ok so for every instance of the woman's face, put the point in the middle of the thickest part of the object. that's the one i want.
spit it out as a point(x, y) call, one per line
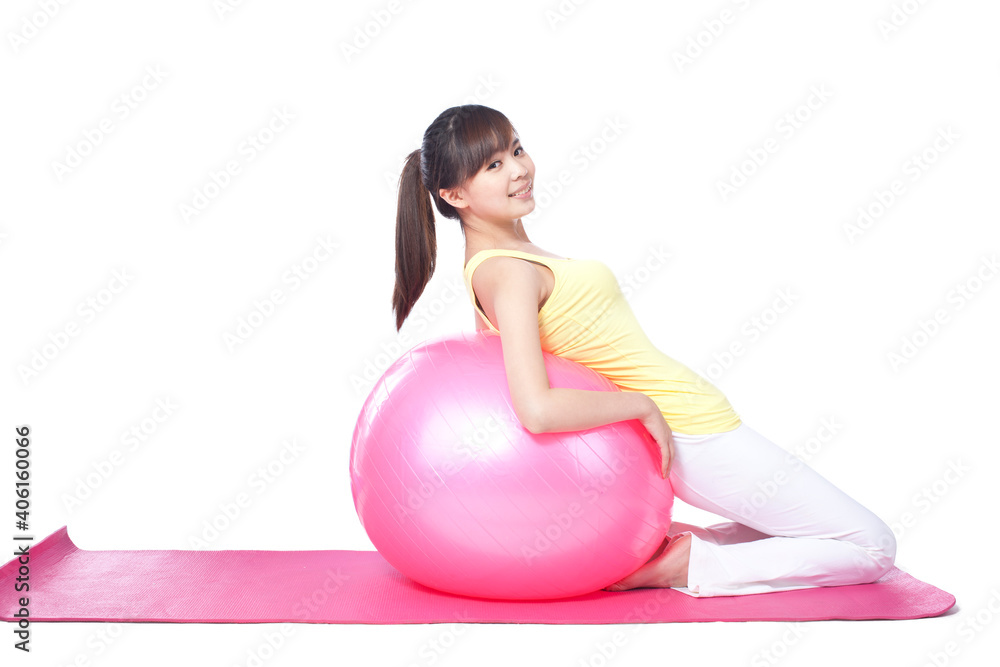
point(487, 196)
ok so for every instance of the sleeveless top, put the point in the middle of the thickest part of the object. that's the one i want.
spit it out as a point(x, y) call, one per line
point(587, 319)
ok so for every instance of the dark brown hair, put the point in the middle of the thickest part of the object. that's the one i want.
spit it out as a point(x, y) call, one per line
point(460, 142)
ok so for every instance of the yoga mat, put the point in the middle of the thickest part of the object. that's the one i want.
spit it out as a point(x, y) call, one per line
point(253, 586)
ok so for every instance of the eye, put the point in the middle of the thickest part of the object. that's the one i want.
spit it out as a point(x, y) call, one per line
point(519, 148)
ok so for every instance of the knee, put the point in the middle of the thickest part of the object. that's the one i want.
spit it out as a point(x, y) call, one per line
point(881, 549)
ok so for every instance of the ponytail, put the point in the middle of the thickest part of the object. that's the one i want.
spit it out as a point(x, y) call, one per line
point(416, 241)
point(459, 142)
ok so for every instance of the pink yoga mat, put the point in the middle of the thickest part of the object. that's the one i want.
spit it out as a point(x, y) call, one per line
point(177, 586)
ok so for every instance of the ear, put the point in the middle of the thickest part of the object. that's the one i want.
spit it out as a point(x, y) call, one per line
point(454, 197)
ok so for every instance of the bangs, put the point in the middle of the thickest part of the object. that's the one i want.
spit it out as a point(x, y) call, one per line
point(482, 135)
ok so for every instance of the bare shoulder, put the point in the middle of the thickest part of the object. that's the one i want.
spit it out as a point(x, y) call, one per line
point(512, 275)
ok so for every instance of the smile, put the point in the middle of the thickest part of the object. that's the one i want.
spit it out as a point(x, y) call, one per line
point(521, 194)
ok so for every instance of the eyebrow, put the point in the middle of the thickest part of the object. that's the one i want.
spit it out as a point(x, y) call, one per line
point(513, 144)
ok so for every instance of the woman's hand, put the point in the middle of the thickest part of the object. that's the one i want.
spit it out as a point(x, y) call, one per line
point(657, 426)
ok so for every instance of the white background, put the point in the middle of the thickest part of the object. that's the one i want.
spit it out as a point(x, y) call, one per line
point(661, 136)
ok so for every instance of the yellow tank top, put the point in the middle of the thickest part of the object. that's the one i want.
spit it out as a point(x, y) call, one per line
point(587, 319)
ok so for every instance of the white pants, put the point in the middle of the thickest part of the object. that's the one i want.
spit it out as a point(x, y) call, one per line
point(791, 527)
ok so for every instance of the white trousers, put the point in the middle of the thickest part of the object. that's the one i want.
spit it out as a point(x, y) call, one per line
point(791, 528)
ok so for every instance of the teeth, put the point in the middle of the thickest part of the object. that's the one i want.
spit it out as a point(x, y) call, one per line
point(521, 192)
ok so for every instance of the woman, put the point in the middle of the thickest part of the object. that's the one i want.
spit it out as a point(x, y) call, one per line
point(790, 528)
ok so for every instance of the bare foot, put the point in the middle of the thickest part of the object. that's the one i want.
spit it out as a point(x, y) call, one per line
point(666, 570)
point(659, 549)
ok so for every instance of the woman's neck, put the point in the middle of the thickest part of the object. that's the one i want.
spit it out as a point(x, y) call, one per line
point(512, 237)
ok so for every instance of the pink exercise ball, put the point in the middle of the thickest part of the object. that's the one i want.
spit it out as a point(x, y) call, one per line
point(458, 496)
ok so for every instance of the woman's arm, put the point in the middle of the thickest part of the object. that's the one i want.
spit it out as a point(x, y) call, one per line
point(509, 290)
point(577, 409)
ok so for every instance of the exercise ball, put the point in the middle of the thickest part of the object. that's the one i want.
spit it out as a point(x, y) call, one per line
point(457, 495)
